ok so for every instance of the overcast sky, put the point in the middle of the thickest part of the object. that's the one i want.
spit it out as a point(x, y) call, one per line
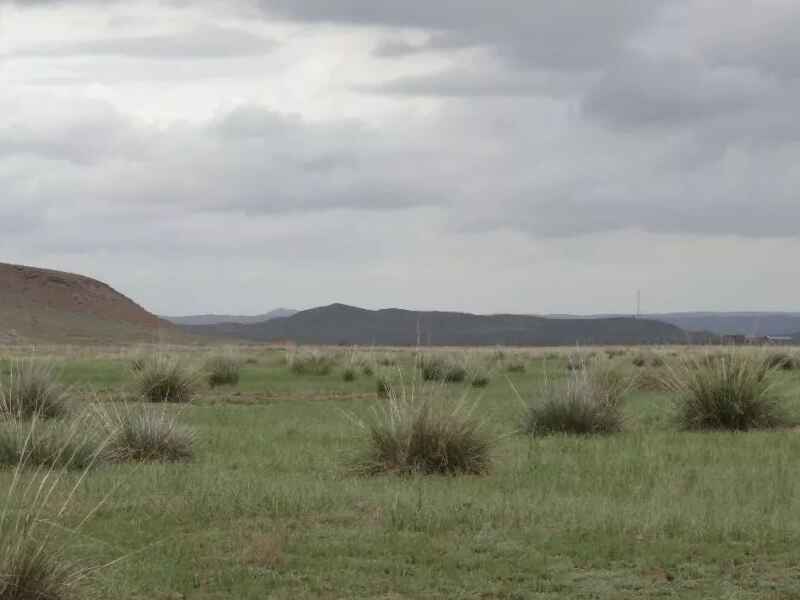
point(483, 155)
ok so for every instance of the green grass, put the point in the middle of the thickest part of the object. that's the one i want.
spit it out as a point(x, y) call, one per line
point(267, 508)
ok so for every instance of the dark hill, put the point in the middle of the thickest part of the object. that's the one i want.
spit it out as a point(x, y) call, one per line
point(744, 323)
point(340, 324)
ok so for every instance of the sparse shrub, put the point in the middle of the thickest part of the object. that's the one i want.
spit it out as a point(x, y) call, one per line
point(733, 391)
point(144, 434)
point(639, 361)
point(783, 361)
point(30, 389)
point(615, 353)
point(166, 379)
point(516, 366)
point(415, 434)
point(552, 356)
point(657, 361)
point(311, 363)
point(138, 364)
point(589, 401)
point(368, 370)
point(222, 370)
point(349, 374)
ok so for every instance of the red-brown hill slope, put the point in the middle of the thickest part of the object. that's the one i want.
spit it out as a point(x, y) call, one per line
point(40, 304)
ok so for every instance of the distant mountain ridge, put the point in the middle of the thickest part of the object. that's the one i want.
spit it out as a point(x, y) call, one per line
point(211, 319)
point(747, 323)
point(342, 324)
point(42, 304)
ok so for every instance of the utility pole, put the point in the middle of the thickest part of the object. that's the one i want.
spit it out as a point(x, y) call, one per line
point(638, 303)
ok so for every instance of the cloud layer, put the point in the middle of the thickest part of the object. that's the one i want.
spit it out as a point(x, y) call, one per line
point(537, 157)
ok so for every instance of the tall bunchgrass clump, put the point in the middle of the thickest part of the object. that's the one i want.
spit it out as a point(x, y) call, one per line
point(447, 369)
point(144, 434)
point(784, 361)
point(30, 388)
point(46, 444)
point(426, 433)
point(37, 556)
point(589, 401)
point(223, 369)
point(479, 370)
point(312, 362)
point(165, 378)
point(733, 391)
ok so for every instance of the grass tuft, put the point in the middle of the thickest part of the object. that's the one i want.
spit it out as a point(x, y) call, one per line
point(441, 368)
point(30, 388)
point(46, 444)
point(37, 557)
point(783, 360)
point(732, 391)
point(588, 401)
point(424, 434)
point(310, 363)
point(165, 378)
point(144, 434)
point(223, 370)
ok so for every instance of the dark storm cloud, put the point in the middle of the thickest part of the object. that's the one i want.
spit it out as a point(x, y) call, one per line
point(644, 92)
point(207, 42)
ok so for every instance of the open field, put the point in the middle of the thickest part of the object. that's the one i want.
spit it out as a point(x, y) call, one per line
point(268, 508)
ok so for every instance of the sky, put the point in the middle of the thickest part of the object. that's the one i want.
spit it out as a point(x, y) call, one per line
point(482, 155)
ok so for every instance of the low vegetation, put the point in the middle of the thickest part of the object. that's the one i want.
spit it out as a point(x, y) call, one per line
point(223, 369)
point(30, 388)
point(783, 360)
point(311, 363)
point(442, 368)
point(144, 434)
point(51, 445)
point(588, 401)
point(424, 433)
point(267, 489)
point(36, 558)
point(731, 391)
point(165, 378)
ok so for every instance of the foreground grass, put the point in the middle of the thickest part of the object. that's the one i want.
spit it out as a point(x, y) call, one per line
point(266, 510)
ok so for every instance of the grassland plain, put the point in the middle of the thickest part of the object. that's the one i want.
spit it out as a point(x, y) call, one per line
point(268, 510)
